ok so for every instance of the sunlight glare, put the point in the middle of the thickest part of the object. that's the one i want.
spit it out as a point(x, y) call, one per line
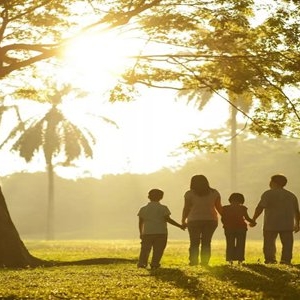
point(99, 59)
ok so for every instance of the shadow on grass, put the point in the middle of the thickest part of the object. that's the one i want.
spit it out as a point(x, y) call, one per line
point(91, 261)
point(267, 282)
point(273, 282)
point(181, 280)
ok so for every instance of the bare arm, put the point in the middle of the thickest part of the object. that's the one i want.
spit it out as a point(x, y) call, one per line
point(257, 213)
point(218, 205)
point(247, 218)
point(141, 223)
point(297, 226)
point(297, 219)
point(173, 222)
point(185, 213)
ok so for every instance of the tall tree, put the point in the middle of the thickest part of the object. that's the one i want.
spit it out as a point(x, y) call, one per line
point(53, 135)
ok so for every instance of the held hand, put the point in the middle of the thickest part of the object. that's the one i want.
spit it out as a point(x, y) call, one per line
point(296, 228)
point(184, 225)
point(252, 224)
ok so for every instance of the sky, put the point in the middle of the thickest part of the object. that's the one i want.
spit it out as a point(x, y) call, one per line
point(150, 129)
point(146, 137)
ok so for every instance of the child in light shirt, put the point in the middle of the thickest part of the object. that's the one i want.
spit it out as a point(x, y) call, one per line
point(153, 219)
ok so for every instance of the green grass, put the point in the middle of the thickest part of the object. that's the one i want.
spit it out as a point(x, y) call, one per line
point(107, 270)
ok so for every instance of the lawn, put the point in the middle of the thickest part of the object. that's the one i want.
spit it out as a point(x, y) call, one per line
point(107, 270)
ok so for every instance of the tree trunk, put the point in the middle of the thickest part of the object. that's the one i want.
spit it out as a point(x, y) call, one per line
point(233, 154)
point(50, 212)
point(13, 253)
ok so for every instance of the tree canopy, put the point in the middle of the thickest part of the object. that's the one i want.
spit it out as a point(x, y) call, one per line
point(217, 45)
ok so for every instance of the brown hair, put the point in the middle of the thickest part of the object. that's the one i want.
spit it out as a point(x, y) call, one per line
point(200, 185)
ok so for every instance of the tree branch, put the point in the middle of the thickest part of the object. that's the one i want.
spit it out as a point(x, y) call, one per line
point(119, 19)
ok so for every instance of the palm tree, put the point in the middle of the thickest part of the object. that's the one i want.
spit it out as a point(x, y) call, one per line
point(53, 135)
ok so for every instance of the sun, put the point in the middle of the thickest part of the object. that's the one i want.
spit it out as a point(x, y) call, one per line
point(96, 61)
point(148, 130)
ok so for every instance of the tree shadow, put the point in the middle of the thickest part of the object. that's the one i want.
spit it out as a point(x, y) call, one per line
point(91, 261)
point(180, 279)
point(271, 281)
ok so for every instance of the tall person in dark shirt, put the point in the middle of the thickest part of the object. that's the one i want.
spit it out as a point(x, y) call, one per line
point(281, 217)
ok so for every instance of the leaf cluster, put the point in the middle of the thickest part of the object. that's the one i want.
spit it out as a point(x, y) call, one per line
point(222, 49)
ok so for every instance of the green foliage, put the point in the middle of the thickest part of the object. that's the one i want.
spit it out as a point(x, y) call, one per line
point(277, 120)
point(107, 270)
point(225, 51)
point(122, 93)
point(212, 45)
point(204, 146)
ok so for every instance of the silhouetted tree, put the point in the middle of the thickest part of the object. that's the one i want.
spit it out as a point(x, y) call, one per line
point(13, 252)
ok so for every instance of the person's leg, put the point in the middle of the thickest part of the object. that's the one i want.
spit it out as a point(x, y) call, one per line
point(269, 247)
point(146, 245)
point(240, 245)
point(287, 241)
point(159, 245)
point(230, 245)
point(208, 229)
point(194, 233)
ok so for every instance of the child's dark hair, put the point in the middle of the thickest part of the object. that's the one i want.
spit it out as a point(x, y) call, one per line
point(155, 194)
point(236, 198)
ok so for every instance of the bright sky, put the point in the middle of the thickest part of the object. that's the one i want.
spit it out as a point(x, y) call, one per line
point(150, 128)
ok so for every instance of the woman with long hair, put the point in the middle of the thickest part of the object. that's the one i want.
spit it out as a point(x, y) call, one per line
point(200, 214)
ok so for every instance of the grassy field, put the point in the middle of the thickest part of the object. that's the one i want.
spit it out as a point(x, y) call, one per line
point(107, 270)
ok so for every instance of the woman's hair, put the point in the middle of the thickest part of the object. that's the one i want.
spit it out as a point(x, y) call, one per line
point(237, 198)
point(200, 185)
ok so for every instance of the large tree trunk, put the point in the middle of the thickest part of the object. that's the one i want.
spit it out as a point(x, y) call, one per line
point(13, 252)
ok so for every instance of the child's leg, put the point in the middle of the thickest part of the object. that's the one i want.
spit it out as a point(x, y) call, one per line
point(230, 245)
point(240, 245)
point(146, 245)
point(159, 245)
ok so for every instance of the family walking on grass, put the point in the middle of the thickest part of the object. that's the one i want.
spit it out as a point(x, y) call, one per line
point(202, 205)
